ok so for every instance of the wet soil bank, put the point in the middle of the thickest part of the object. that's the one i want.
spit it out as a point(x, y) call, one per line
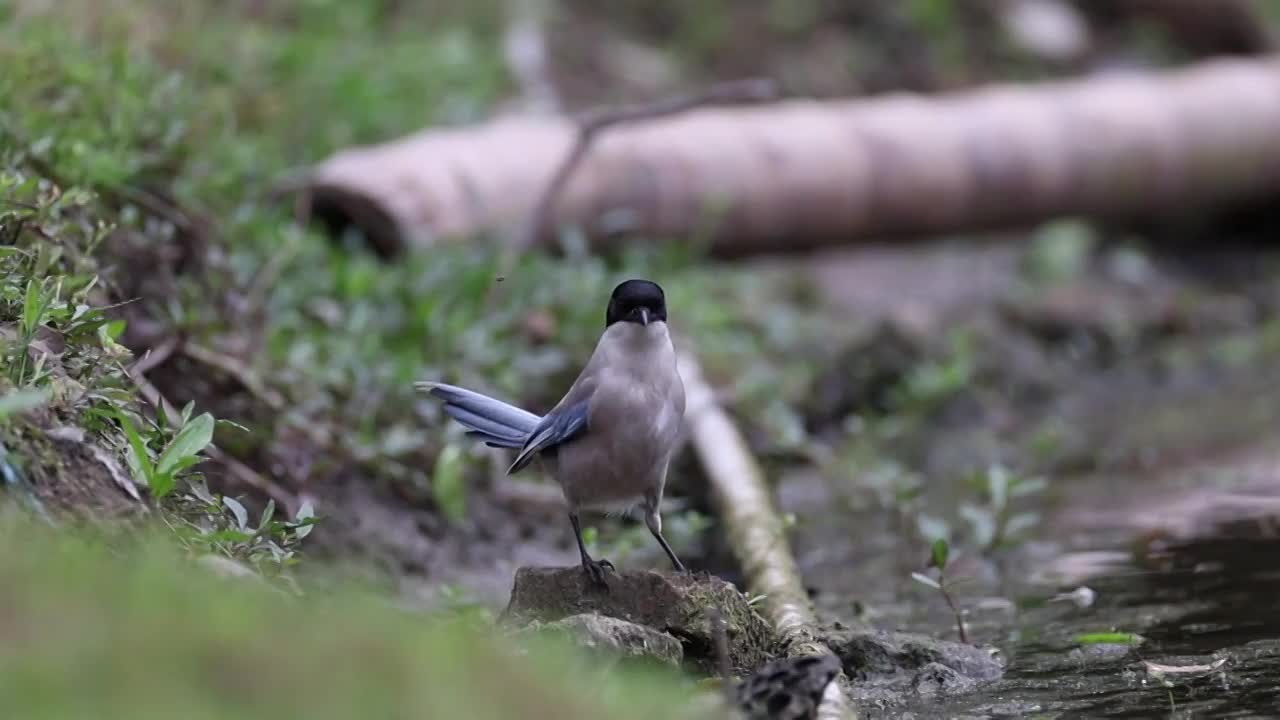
point(1150, 412)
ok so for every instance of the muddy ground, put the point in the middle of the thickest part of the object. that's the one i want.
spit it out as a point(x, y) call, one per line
point(1143, 389)
point(1148, 399)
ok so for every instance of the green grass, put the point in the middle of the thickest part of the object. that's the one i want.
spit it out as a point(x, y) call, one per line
point(107, 627)
point(129, 106)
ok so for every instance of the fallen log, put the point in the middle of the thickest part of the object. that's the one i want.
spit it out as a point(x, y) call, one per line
point(801, 174)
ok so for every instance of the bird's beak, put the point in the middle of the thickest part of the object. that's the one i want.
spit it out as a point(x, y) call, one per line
point(644, 316)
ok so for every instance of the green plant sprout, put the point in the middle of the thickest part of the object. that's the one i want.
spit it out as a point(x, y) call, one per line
point(159, 472)
point(938, 557)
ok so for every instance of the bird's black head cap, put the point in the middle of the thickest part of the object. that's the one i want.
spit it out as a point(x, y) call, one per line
point(638, 301)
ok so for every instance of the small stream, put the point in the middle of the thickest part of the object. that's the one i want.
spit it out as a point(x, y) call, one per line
point(1193, 600)
point(1163, 499)
point(1220, 599)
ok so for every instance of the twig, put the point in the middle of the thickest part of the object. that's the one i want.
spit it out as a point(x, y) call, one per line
point(155, 356)
point(157, 206)
point(235, 368)
point(154, 397)
point(318, 434)
point(955, 610)
point(255, 480)
point(591, 124)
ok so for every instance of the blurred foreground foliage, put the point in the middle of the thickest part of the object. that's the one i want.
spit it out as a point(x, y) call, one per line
point(110, 627)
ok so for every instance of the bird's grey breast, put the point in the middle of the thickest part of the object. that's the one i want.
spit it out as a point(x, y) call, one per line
point(634, 414)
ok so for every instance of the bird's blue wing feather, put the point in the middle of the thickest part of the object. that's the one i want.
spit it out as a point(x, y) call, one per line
point(555, 429)
point(492, 421)
point(494, 441)
point(484, 427)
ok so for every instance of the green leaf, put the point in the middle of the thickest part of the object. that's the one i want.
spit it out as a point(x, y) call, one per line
point(186, 462)
point(306, 514)
point(223, 422)
point(31, 310)
point(21, 401)
point(242, 515)
point(446, 484)
point(1110, 638)
point(162, 484)
point(144, 471)
point(194, 437)
point(926, 580)
point(186, 411)
point(267, 512)
point(939, 553)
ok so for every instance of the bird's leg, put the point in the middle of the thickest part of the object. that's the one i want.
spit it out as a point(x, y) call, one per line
point(594, 568)
point(654, 521)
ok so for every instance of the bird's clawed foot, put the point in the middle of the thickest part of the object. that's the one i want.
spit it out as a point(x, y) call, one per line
point(595, 570)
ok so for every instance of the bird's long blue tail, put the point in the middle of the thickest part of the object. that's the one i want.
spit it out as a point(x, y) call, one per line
point(496, 423)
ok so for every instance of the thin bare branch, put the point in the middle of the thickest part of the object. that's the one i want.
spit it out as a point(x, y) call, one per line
point(155, 356)
point(590, 125)
point(234, 367)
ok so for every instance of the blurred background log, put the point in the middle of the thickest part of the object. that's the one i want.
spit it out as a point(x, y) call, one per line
point(802, 174)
